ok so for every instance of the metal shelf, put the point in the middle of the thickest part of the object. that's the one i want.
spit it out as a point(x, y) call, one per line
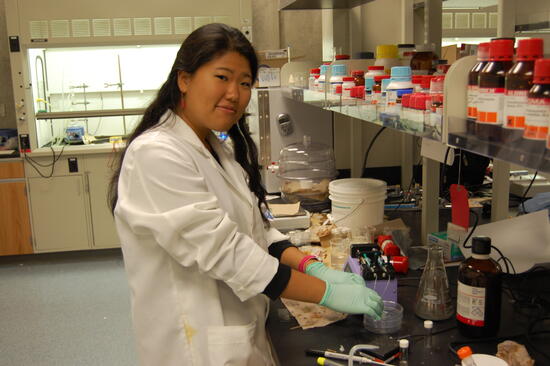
point(320, 4)
point(358, 109)
point(91, 113)
point(514, 153)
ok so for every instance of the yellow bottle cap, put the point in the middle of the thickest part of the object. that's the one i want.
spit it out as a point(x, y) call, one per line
point(387, 51)
point(321, 361)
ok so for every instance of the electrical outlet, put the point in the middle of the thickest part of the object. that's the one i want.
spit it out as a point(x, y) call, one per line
point(73, 165)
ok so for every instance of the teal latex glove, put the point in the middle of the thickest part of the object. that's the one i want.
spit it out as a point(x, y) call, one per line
point(322, 272)
point(352, 299)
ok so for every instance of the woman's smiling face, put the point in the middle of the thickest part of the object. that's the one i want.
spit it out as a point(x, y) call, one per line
point(215, 96)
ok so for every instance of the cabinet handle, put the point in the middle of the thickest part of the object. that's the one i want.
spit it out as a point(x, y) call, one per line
point(87, 182)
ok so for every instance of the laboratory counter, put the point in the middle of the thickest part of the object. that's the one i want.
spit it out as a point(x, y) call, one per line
point(290, 341)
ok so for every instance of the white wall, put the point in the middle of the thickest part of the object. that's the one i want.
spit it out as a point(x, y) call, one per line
point(381, 23)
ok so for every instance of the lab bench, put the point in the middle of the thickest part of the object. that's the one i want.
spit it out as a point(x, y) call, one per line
point(290, 342)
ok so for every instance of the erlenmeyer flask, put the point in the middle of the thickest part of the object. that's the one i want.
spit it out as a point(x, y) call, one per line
point(433, 298)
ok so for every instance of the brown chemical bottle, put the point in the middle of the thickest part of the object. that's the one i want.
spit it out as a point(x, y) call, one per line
point(490, 100)
point(482, 59)
point(479, 292)
point(518, 83)
point(537, 114)
point(358, 77)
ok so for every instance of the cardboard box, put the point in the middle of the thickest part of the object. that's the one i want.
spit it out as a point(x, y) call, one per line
point(451, 252)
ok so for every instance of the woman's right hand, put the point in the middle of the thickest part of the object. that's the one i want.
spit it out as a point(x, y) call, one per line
point(352, 299)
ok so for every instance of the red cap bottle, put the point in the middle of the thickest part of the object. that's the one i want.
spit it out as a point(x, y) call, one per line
point(491, 83)
point(482, 59)
point(537, 115)
point(519, 81)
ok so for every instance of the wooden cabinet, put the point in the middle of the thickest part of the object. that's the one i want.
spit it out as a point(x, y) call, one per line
point(15, 229)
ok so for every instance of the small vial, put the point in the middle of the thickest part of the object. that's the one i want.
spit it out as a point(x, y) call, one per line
point(428, 326)
point(465, 354)
point(403, 352)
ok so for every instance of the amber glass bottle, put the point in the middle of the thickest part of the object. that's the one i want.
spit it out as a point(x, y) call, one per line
point(518, 83)
point(490, 100)
point(537, 115)
point(479, 292)
point(482, 59)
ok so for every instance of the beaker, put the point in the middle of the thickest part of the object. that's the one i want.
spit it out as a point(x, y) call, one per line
point(433, 298)
point(340, 243)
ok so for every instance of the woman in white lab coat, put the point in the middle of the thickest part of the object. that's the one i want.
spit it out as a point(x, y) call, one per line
point(199, 255)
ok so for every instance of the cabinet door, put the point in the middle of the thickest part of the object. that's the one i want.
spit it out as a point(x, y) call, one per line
point(99, 172)
point(58, 208)
point(15, 228)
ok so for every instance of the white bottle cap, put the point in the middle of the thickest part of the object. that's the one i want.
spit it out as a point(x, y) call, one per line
point(403, 343)
point(428, 324)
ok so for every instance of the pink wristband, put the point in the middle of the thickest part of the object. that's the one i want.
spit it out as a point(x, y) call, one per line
point(303, 262)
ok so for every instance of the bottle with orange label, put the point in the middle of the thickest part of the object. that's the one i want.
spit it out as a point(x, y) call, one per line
point(519, 81)
point(537, 114)
point(490, 98)
point(473, 75)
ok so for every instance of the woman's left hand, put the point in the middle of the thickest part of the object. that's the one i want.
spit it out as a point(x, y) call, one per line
point(319, 270)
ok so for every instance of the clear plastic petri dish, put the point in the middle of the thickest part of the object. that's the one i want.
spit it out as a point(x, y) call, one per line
point(392, 316)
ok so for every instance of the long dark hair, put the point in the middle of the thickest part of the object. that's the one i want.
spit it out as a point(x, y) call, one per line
point(201, 46)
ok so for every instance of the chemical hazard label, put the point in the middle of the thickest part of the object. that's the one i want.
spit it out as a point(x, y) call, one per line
point(470, 308)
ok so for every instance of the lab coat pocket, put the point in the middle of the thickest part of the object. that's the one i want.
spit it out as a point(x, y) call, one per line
point(231, 345)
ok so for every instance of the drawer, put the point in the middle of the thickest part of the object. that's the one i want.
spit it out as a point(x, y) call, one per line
point(12, 169)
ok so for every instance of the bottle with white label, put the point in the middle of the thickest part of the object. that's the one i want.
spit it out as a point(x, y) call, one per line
point(337, 78)
point(479, 292)
point(482, 59)
point(518, 82)
point(537, 114)
point(490, 97)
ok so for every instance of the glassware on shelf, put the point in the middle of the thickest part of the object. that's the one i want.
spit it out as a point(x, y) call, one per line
point(433, 298)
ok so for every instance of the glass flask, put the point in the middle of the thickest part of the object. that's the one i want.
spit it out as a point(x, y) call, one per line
point(433, 298)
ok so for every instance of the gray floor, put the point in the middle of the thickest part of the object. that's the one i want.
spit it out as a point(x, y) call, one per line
point(65, 309)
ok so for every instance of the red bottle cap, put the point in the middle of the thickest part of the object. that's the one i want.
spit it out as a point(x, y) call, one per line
point(483, 51)
point(381, 77)
point(436, 98)
point(443, 68)
point(405, 99)
point(412, 100)
point(417, 79)
point(360, 93)
point(501, 50)
point(542, 71)
point(381, 238)
point(420, 102)
point(353, 92)
point(400, 263)
point(529, 49)
point(342, 57)
point(464, 352)
point(374, 68)
point(358, 73)
point(426, 80)
point(348, 78)
point(315, 71)
point(338, 89)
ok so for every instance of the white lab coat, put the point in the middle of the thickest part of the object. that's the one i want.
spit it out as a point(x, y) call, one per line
point(195, 251)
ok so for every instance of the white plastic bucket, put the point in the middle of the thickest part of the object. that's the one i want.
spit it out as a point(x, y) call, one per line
point(357, 202)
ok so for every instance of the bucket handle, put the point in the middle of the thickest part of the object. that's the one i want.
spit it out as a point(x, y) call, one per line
point(351, 213)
